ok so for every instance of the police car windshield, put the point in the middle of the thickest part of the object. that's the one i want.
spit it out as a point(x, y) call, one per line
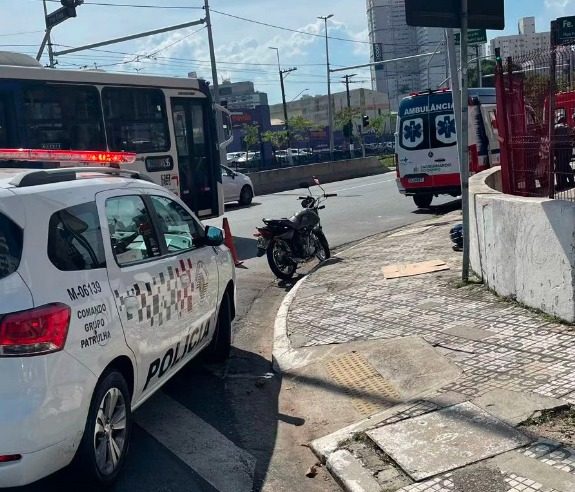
point(10, 246)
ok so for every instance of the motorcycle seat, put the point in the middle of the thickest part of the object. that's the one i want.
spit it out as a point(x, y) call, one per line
point(281, 223)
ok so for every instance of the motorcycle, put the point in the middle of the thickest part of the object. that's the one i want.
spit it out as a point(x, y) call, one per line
point(289, 243)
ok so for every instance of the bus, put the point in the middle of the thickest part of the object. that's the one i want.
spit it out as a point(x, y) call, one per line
point(426, 156)
point(169, 123)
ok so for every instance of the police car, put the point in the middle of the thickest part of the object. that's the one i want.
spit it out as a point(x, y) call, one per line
point(109, 285)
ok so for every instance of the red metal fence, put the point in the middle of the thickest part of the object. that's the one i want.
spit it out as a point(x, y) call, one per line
point(536, 123)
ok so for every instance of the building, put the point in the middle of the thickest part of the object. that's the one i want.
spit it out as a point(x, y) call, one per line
point(526, 41)
point(241, 95)
point(314, 108)
point(391, 38)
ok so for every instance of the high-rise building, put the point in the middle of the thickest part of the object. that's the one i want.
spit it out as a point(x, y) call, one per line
point(519, 44)
point(391, 37)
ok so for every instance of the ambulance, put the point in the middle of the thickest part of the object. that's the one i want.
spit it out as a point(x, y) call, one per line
point(426, 156)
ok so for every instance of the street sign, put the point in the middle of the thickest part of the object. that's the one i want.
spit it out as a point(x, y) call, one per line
point(483, 14)
point(57, 17)
point(564, 30)
point(474, 36)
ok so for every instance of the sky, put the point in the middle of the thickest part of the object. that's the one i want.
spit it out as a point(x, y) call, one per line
point(242, 47)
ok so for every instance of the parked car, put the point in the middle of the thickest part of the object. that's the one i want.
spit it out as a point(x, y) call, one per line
point(237, 187)
point(110, 285)
point(233, 156)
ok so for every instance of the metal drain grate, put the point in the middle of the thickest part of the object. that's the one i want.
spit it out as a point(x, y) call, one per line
point(369, 391)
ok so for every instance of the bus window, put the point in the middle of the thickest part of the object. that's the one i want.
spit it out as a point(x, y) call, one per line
point(63, 117)
point(136, 120)
point(3, 126)
point(197, 180)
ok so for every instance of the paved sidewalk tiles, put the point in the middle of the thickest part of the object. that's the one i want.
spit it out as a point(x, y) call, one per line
point(447, 439)
point(496, 346)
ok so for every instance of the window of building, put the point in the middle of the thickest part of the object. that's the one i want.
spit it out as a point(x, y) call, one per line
point(131, 232)
point(75, 239)
point(63, 117)
point(136, 119)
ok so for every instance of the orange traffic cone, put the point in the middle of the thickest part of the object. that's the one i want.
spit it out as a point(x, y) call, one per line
point(229, 242)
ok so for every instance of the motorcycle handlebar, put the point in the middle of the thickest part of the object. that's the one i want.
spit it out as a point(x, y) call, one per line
point(329, 195)
point(302, 197)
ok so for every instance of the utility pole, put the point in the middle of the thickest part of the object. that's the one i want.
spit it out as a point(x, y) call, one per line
point(479, 71)
point(49, 36)
point(350, 122)
point(465, 138)
point(329, 106)
point(286, 121)
point(215, 83)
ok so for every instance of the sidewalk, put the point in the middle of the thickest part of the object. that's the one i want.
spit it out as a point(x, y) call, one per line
point(420, 383)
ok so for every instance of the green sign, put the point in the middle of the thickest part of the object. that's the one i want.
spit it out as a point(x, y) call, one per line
point(564, 28)
point(474, 36)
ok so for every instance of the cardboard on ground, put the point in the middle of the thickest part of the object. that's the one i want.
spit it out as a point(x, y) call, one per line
point(411, 269)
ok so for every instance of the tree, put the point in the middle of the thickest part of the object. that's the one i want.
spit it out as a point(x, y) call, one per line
point(345, 115)
point(384, 123)
point(300, 127)
point(251, 135)
point(277, 139)
point(487, 68)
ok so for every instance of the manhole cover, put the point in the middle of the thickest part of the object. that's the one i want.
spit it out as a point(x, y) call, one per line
point(445, 440)
point(369, 391)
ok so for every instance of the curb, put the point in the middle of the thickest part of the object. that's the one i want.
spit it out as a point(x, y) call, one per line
point(283, 353)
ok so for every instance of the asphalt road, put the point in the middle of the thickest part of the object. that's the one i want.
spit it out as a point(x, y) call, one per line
point(218, 428)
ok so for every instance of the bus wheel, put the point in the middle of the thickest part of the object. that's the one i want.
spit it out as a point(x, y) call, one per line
point(423, 200)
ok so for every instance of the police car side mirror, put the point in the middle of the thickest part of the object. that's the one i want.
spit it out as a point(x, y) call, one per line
point(213, 236)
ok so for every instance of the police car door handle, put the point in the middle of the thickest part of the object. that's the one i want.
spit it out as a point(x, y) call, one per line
point(439, 160)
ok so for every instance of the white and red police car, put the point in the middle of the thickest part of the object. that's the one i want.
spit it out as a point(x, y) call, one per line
point(108, 286)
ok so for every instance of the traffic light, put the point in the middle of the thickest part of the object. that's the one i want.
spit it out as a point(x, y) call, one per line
point(70, 6)
point(365, 120)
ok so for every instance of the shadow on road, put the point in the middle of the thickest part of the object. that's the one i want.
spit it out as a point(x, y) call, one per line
point(442, 209)
point(236, 206)
point(246, 247)
point(239, 400)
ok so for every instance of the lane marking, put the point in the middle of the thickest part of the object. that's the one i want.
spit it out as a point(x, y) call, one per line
point(199, 445)
point(364, 185)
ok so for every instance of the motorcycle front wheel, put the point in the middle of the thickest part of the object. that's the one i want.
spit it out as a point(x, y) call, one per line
point(322, 252)
point(282, 266)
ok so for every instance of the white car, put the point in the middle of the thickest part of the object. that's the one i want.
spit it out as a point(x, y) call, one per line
point(237, 187)
point(109, 285)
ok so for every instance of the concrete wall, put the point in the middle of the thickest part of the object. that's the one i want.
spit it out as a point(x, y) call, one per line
point(523, 247)
point(289, 178)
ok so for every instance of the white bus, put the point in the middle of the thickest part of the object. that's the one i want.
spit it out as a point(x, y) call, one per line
point(170, 123)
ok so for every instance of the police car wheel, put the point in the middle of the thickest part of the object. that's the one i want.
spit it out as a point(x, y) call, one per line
point(219, 348)
point(103, 449)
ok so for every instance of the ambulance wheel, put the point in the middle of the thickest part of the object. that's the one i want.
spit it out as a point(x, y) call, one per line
point(423, 200)
point(106, 440)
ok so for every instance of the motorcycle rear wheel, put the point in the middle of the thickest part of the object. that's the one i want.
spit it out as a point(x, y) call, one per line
point(280, 263)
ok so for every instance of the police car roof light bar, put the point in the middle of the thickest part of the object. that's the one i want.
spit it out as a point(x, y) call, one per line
point(87, 156)
point(47, 176)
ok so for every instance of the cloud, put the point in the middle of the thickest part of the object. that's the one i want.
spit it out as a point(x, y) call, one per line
point(560, 6)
